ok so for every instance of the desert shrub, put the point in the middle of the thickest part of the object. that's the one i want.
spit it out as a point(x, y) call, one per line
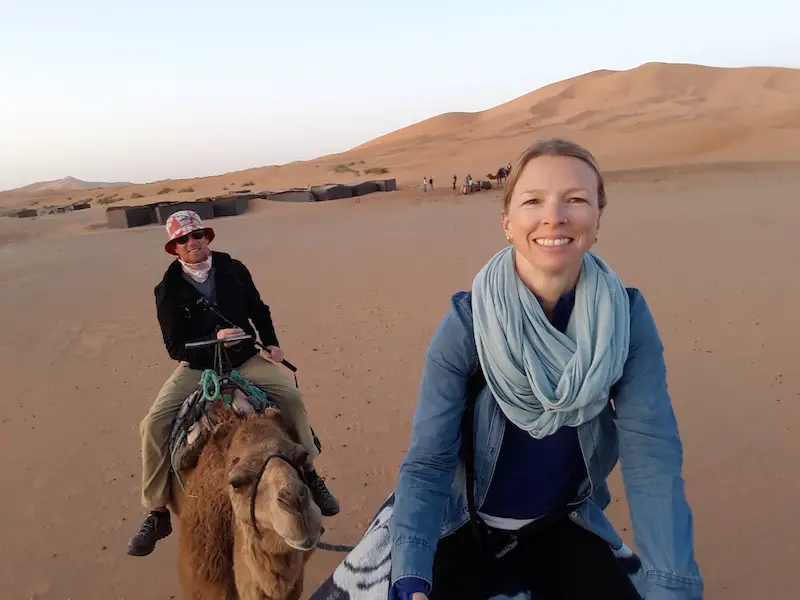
point(248, 183)
point(166, 190)
point(342, 168)
point(185, 190)
point(376, 171)
point(136, 195)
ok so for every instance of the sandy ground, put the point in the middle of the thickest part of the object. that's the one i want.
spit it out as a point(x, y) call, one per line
point(357, 289)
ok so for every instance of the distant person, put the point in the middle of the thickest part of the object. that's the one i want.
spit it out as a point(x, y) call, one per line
point(570, 371)
point(199, 273)
point(455, 181)
point(424, 184)
point(430, 181)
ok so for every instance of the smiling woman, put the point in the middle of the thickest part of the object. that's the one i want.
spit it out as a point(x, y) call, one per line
point(551, 214)
point(545, 340)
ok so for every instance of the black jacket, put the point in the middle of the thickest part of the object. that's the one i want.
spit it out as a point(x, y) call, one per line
point(184, 317)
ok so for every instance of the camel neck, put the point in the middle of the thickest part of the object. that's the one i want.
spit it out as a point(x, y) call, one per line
point(267, 567)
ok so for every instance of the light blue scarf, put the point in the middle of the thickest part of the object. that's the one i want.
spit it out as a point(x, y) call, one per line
point(541, 378)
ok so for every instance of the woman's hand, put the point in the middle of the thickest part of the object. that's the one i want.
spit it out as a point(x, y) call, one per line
point(419, 596)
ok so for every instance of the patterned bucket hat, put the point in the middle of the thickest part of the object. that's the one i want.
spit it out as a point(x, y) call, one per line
point(183, 223)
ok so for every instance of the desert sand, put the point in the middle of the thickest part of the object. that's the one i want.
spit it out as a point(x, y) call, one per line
point(704, 223)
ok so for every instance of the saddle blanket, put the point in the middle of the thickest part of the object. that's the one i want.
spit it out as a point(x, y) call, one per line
point(194, 420)
point(365, 573)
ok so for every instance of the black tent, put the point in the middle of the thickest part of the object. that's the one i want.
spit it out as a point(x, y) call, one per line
point(124, 217)
point(385, 185)
point(204, 209)
point(331, 191)
point(292, 195)
point(364, 188)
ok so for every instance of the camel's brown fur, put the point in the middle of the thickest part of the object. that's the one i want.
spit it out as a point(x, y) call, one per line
point(267, 568)
point(207, 516)
point(270, 564)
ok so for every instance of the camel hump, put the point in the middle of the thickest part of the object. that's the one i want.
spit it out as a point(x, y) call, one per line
point(199, 414)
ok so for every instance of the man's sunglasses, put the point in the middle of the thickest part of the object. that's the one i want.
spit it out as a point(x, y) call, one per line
point(197, 235)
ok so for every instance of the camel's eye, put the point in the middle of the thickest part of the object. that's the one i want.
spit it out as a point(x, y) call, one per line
point(239, 476)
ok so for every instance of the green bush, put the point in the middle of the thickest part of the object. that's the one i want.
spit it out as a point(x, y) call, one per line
point(342, 168)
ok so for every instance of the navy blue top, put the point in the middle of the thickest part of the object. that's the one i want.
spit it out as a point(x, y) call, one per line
point(532, 477)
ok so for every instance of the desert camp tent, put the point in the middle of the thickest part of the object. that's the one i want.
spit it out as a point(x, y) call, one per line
point(229, 206)
point(331, 191)
point(364, 188)
point(385, 185)
point(292, 195)
point(124, 217)
point(204, 209)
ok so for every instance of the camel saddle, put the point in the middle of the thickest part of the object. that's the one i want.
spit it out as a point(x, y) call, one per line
point(195, 420)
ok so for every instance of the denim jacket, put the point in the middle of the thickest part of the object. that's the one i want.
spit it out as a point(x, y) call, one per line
point(638, 428)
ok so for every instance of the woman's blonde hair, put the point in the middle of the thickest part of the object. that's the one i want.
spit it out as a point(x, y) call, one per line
point(554, 147)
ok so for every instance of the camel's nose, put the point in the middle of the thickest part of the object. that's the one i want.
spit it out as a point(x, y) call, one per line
point(292, 500)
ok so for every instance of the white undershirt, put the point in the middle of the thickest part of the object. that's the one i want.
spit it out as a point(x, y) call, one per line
point(505, 523)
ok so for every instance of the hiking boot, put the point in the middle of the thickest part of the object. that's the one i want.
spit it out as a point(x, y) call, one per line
point(157, 525)
point(323, 497)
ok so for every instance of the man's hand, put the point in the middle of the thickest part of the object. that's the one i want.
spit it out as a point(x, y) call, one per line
point(273, 354)
point(226, 333)
point(418, 596)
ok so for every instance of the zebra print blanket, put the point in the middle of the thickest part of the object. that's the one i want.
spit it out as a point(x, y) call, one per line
point(366, 571)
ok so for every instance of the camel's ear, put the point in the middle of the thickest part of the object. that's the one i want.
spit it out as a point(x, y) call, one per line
point(272, 413)
point(285, 422)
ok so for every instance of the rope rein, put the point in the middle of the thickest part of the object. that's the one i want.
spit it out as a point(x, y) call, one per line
point(211, 388)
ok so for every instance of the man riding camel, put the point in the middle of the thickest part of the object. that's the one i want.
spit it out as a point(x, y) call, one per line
point(199, 277)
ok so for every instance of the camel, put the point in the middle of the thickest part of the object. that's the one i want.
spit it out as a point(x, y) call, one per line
point(247, 523)
point(501, 176)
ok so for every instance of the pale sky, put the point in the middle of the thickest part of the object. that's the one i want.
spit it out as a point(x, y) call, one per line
point(140, 91)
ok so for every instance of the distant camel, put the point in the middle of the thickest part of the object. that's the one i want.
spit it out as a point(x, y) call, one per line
point(501, 176)
point(248, 524)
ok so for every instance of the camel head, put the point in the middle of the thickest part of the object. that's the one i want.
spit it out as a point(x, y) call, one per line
point(267, 490)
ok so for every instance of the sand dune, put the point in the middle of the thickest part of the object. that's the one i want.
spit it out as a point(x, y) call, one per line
point(65, 184)
point(658, 114)
point(357, 287)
